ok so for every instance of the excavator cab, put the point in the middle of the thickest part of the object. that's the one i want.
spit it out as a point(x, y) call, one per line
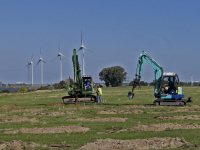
point(170, 83)
point(87, 84)
point(170, 92)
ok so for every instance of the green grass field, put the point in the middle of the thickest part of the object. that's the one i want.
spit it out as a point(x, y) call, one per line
point(113, 99)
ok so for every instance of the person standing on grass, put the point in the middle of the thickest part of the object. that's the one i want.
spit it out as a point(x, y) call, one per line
point(99, 93)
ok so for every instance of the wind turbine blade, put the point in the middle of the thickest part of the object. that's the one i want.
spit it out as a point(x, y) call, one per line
point(44, 61)
point(78, 50)
point(38, 62)
point(32, 57)
point(81, 38)
point(28, 64)
point(59, 46)
point(54, 59)
point(64, 56)
point(89, 50)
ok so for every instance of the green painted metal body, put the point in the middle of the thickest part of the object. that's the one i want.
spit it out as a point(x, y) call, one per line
point(78, 86)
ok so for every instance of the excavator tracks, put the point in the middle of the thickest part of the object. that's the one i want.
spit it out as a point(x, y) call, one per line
point(78, 100)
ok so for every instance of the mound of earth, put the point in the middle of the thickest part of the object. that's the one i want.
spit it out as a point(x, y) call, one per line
point(26, 110)
point(134, 111)
point(83, 108)
point(143, 106)
point(189, 117)
point(151, 143)
point(55, 113)
point(113, 119)
point(162, 127)
point(56, 104)
point(61, 129)
point(10, 106)
point(17, 145)
point(22, 119)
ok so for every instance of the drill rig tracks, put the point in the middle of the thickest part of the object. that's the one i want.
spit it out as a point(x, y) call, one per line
point(73, 100)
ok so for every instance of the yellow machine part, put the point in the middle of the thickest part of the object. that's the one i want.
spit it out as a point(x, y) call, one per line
point(179, 90)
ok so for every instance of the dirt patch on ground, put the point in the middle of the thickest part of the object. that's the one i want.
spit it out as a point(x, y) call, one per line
point(143, 106)
point(134, 111)
point(178, 110)
point(56, 113)
point(61, 145)
point(83, 108)
point(17, 145)
point(10, 106)
point(189, 117)
point(193, 106)
point(113, 119)
point(55, 104)
point(162, 127)
point(22, 119)
point(27, 110)
point(151, 143)
point(62, 129)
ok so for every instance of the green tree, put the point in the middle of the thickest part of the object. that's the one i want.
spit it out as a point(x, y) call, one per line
point(113, 76)
point(142, 83)
point(69, 81)
point(60, 85)
point(23, 89)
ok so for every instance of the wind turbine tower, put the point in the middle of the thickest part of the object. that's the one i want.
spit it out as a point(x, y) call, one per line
point(41, 60)
point(82, 48)
point(60, 55)
point(191, 80)
point(31, 63)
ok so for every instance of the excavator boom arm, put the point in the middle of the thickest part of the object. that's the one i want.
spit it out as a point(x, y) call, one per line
point(158, 70)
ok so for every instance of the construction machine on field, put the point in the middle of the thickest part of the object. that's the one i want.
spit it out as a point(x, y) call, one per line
point(166, 84)
point(81, 90)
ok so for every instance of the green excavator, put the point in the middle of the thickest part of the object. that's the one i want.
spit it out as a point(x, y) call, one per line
point(81, 90)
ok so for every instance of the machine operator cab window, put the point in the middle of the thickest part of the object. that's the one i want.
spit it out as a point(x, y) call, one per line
point(170, 84)
point(87, 83)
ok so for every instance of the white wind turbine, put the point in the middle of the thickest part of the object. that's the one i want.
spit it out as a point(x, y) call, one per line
point(31, 63)
point(82, 48)
point(41, 60)
point(60, 55)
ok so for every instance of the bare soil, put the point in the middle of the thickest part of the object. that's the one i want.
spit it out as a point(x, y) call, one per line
point(61, 129)
point(17, 145)
point(134, 111)
point(61, 145)
point(55, 104)
point(162, 127)
point(143, 106)
point(193, 106)
point(26, 110)
point(137, 144)
point(189, 117)
point(10, 106)
point(113, 119)
point(178, 110)
point(83, 108)
point(22, 119)
point(55, 113)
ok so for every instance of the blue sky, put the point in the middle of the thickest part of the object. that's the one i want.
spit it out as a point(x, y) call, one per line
point(117, 31)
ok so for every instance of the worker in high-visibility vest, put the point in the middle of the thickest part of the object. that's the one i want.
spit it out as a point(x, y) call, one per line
point(99, 93)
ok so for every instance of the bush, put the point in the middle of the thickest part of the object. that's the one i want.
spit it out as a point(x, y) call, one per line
point(44, 87)
point(23, 89)
point(5, 91)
